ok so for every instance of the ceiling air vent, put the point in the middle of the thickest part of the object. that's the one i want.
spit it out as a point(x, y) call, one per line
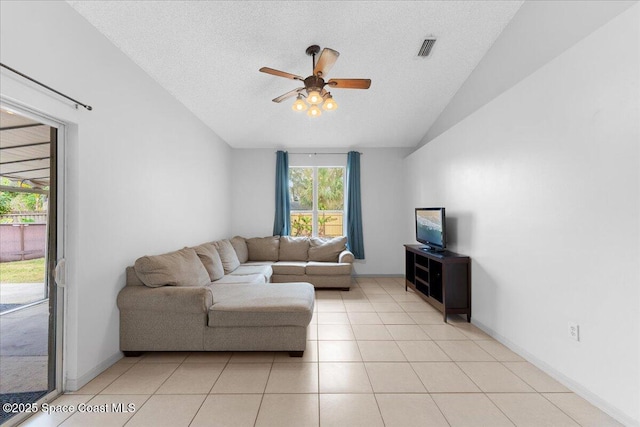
point(427, 46)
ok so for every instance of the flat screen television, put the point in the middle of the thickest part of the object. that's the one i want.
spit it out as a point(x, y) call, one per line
point(431, 228)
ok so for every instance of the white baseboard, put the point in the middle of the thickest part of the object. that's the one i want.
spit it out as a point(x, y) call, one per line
point(74, 384)
point(561, 378)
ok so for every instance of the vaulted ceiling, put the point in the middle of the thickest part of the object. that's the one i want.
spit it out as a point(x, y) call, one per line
point(207, 55)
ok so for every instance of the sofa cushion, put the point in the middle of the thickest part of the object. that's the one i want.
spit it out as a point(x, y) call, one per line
point(210, 259)
point(327, 269)
point(294, 248)
point(288, 268)
point(240, 246)
point(286, 304)
point(244, 279)
point(178, 268)
point(326, 249)
point(258, 263)
point(263, 248)
point(244, 270)
point(132, 278)
point(228, 255)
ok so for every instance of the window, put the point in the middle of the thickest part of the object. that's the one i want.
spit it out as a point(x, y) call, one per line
point(317, 201)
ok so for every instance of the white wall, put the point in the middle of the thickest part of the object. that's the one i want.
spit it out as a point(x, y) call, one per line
point(381, 184)
point(382, 187)
point(543, 186)
point(253, 181)
point(143, 175)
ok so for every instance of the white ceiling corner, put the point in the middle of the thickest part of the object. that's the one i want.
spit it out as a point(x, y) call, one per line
point(207, 55)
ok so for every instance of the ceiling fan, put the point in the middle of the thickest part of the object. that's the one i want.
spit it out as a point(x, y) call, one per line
point(314, 85)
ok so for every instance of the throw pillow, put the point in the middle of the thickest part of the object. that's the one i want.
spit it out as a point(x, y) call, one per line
point(240, 246)
point(178, 268)
point(294, 248)
point(227, 255)
point(211, 260)
point(326, 250)
point(263, 248)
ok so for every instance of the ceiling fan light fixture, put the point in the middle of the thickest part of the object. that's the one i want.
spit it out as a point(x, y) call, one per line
point(329, 103)
point(314, 111)
point(314, 97)
point(299, 104)
point(314, 94)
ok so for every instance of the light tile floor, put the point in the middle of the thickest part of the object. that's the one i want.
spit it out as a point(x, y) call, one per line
point(376, 355)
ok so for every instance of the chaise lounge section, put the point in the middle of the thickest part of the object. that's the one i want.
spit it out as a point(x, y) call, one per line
point(222, 317)
point(204, 299)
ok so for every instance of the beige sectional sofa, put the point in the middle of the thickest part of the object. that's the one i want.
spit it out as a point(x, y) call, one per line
point(230, 295)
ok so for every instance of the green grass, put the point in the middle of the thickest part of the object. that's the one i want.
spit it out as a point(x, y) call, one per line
point(31, 271)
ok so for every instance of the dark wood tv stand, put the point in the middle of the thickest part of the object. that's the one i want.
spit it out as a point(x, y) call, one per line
point(443, 279)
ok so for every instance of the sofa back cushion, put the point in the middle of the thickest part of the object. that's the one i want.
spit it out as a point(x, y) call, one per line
point(132, 278)
point(227, 255)
point(210, 258)
point(178, 268)
point(326, 250)
point(240, 246)
point(264, 248)
point(294, 248)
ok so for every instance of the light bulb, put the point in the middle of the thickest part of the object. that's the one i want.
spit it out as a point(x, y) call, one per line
point(314, 111)
point(329, 104)
point(314, 98)
point(299, 105)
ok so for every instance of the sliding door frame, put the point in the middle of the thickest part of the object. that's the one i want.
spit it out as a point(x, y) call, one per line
point(56, 221)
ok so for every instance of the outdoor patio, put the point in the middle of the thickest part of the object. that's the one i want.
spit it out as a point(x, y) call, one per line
point(23, 342)
point(14, 295)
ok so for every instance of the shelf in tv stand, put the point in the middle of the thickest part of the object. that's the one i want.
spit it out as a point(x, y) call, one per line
point(420, 291)
point(442, 279)
point(424, 282)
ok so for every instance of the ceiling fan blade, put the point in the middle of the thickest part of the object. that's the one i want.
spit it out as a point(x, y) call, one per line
point(288, 95)
point(328, 57)
point(280, 73)
point(350, 83)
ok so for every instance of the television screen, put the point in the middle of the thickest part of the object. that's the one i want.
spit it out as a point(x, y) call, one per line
point(431, 227)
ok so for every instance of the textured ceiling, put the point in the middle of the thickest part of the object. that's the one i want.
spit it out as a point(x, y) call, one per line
point(207, 54)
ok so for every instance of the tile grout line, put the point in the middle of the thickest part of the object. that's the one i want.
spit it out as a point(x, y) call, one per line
point(318, 376)
point(111, 382)
point(499, 408)
point(195, 414)
point(157, 388)
point(369, 378)
point(264, 390)
point(223, 369)
point(439, 408)
point(485, 394)
point(137, 410)
point(560, 409)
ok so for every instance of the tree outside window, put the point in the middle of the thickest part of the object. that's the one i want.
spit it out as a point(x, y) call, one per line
point(317, 201)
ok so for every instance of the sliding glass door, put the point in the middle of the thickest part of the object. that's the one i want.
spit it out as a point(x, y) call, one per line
point(30, 304)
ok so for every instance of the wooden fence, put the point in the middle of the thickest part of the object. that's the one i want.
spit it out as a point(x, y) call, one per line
point(331, 224)
point(19, 242)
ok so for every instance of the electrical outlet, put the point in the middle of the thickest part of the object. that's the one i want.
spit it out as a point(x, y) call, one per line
point(574, 331)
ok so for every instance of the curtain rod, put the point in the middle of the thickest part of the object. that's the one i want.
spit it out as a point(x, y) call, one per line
point(88, 107)
point(320, 154)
